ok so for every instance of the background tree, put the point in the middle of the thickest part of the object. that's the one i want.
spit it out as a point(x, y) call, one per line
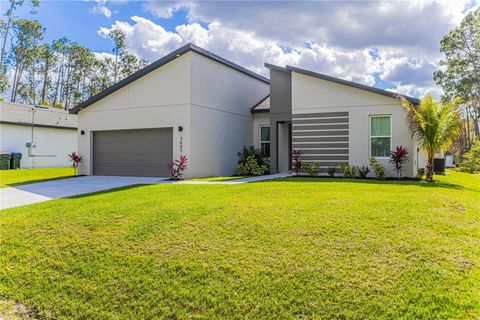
point(435, 125)
point(459, 73)
point(118, 38)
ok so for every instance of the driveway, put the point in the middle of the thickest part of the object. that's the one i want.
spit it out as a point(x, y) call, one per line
point(44, 191)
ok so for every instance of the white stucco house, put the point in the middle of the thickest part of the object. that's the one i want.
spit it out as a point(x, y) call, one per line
point(195, 103)
point(44, 136)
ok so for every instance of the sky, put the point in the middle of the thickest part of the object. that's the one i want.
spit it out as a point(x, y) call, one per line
point(393, 45)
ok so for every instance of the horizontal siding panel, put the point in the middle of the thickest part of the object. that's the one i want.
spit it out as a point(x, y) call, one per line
point(319, 115)
point(319, 139)
point(321, 158)
point(321, 133)
point(324, 151)
point(319, 145)
point(322, 120)
point(326, 164)
point(320, 127)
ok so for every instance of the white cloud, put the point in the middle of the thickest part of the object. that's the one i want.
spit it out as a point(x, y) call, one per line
point(102, 8)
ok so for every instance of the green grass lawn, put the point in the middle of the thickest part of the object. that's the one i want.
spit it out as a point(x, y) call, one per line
point(291, 248)
point(11, 178)
point(218, 179)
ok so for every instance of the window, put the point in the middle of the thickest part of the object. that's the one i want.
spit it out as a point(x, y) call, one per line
point(265, 141)
point(380, 136)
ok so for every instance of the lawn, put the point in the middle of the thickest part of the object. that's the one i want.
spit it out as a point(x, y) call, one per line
point(290, 248)
point(219, 179)
point(11, 178)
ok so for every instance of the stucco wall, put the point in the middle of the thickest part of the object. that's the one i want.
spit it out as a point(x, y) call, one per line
point(259, 120)
point(157, 100)
point(52, 145)
point(310, 95)
point(220, 117)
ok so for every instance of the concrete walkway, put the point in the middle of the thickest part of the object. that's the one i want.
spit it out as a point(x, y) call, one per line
point(55, 189)
point(63, 188)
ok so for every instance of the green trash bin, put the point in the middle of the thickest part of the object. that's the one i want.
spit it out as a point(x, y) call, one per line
point(15, 160)
point(4, 160)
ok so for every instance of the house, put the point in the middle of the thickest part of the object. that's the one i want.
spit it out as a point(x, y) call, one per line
point(195, 103)
point(43, 135)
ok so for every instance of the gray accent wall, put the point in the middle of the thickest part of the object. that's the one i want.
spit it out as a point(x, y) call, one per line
point(322, 137)
point(280, 111)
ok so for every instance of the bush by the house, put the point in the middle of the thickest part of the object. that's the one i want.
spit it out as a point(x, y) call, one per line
point(311, 168)
point(297, 163)
point(75, 159)
point(398, 158)
point(251, 167)
point(378, 169)
point(251, 152)
point(177, 167)
point(331, 171)
point(348, 171)
point(363, 171)
point(471, 160)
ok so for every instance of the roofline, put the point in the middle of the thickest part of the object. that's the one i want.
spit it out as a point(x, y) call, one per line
point(26, 124)
point(252, 109)
point(277, 68)
point(160, 62)
point(352, 84)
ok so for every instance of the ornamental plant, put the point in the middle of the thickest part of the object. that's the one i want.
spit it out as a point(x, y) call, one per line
point(348, 171)
point(311, 168)
point(177, 167)
point(251, 167)
point(297, 163)
point(363, 171)
point(471, 160)
point(378, 169)
point(75, 159)
point(398, 158)
point(331, 171)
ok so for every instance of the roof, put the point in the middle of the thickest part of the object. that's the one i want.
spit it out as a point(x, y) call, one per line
point(262, 106)
point(160, 62)
point(21, 114)
point(342, 82)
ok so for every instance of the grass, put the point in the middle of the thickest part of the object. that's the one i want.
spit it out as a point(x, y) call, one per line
point(217, 179)
point(11, 178)
point(290, 248)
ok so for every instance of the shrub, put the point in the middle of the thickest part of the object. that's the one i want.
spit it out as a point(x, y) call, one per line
point(363, 171)
point(75, 159)
point(471, 160)
point(398, 158)
point(251, 167)
point(58, 105)
point(348, 171)
point(331, 171)
point(297, 163)
point(251, 152)
point(45, 103)
point(177, 167)
point(378, 169)
point(311, 168)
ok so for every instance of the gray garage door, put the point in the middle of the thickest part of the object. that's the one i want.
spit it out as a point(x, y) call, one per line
point(141, 153)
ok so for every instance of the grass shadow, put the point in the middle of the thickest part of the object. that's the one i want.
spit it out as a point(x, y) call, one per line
point(84, 195)
point(16, 184)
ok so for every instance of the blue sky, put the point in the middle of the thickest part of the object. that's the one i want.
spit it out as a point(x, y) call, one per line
point(392, 45)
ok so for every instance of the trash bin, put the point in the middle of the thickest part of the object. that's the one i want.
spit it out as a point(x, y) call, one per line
point(15, 160)
point(4, 160)
point(439, 165)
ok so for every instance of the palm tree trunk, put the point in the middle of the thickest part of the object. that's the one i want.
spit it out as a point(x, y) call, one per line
point(429, 169)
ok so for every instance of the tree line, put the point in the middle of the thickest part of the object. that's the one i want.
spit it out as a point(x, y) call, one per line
point(61, 73)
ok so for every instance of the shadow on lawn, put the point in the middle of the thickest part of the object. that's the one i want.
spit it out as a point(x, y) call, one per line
point(17, 184)
point(424, 184)
point(84, 195)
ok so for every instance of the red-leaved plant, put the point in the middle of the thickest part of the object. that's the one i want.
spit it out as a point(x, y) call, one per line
point(398, 158)
point(297, 163)
point(75, 159)
point(177, 167)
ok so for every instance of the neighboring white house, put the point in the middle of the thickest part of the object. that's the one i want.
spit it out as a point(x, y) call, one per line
point(44, 136)
point(195, 103)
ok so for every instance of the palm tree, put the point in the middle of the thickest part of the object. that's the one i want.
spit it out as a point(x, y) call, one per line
point(434, 125)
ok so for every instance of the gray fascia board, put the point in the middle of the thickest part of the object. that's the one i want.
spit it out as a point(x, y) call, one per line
point(252, 109)
point(160, 62)
point(26, 124)
point(277, 68)
point(352, 84)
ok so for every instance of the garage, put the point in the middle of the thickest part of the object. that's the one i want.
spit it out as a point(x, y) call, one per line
point(138, 152)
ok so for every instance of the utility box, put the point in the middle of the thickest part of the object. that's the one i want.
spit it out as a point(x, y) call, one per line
point(4, 160)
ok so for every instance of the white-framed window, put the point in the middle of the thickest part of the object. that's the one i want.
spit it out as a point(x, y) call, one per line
point(265, 140)
point(380, 136)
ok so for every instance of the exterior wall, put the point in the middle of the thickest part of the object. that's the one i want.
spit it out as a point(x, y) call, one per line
point(52, 145)
point(157, 100)
point(312, 95)
point(280, 111)
point(220, 116)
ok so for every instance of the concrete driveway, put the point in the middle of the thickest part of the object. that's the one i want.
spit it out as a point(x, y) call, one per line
point(44, 191)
